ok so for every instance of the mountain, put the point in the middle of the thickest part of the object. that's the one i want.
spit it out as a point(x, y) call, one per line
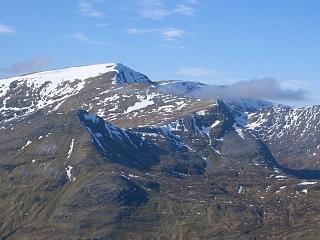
point(103, 152)
point(27, 94)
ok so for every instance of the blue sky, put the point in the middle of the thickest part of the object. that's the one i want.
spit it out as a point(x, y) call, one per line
point(213, 41)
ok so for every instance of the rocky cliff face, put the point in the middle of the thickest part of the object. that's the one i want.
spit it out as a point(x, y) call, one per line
point(102, 152)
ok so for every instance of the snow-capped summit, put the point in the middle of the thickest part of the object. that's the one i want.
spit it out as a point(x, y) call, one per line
point(55, 77)
point(25, 94)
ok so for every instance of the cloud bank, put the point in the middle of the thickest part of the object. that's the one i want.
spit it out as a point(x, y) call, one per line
point(266, 88)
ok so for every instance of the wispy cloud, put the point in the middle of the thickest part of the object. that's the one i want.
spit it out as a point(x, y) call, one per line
point(86, 8)
point(5, 29)
point(171, 34)
point(23, 67)
point(157, 9)
point(103, 25)
point(184, 10)
point(196, 72)
point(167, 34)
point(153, 9)
point(84, 38)
point(138, 31)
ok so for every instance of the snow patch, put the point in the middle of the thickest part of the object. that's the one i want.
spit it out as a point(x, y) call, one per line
point(70, 148)
point(69, 175)
point(238, 130)
point(143, 103)
point(283, 187)
point(27, 144)
point(307, 183)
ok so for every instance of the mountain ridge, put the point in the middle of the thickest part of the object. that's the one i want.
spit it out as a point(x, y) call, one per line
point(117, 161)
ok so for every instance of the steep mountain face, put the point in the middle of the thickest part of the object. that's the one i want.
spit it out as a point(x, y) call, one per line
point(102, 152)
point(293, 135)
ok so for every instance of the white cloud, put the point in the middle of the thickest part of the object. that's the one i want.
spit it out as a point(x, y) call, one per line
point(84, 38)
point(171, 34)
point(32, 65)
point(157, 9)
point(196, 72)
point(5, 29)
point(86, 8)
point(167, 34)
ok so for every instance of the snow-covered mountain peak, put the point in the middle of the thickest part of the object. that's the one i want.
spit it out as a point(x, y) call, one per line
point(55, 77)
point(26, 94)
